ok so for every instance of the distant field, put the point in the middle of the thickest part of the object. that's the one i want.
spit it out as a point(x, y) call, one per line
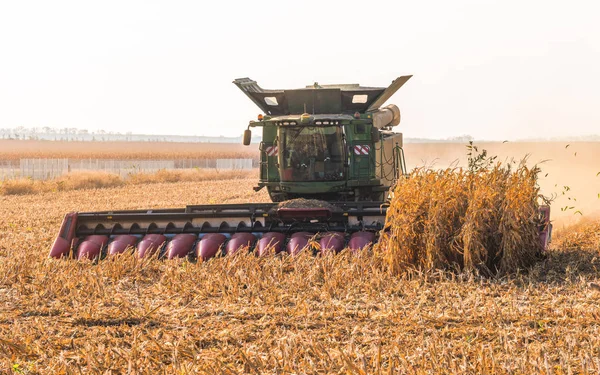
point(100, 180)
point(12, 150)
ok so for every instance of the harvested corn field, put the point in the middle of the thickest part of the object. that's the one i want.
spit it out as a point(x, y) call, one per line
point(242, 314)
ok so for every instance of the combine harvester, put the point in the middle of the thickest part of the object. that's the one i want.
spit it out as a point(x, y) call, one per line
point(328, 158)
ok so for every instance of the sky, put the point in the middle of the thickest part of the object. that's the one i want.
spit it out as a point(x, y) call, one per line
point(495, 70)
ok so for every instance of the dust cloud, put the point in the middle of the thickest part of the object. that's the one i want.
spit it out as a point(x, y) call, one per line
point(569, 170)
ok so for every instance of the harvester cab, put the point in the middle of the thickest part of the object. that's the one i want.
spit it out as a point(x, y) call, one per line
point(328, 142)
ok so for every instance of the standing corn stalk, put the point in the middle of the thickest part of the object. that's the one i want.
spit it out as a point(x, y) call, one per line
point(483, 219)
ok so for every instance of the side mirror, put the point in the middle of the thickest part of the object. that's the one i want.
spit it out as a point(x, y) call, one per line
point(247, 137)
point(374, 134)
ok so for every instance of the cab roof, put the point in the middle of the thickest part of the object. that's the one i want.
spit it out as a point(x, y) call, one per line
point(319, 99)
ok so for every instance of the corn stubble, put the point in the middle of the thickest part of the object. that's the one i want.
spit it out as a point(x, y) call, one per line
point(483, 220)
point(344, 314)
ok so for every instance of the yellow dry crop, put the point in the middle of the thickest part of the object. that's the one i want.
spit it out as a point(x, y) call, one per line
point(485, 220)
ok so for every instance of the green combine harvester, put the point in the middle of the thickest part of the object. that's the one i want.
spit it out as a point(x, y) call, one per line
point(328, 158)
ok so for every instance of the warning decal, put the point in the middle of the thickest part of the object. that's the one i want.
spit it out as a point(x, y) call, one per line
point(362, 149)
point(271, 150)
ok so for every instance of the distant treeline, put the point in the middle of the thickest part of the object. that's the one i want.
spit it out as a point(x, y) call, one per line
point(74, 134)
